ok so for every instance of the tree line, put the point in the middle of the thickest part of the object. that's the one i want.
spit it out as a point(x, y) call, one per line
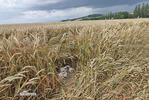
point(141, 11)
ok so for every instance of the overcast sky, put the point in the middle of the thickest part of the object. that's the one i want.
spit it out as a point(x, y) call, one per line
point(30, 11)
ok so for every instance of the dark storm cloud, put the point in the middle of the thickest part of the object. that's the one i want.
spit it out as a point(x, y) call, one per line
point(87, 3)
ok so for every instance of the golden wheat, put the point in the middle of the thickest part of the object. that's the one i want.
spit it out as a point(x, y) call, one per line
point(110, 58)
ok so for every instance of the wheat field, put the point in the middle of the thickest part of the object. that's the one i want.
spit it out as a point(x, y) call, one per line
point(110, 58)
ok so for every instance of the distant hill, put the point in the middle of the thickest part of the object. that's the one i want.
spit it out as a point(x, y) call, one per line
point(89, 17)
point(118, 15)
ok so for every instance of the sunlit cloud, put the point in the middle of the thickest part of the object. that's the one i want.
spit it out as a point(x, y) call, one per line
point(57, 14)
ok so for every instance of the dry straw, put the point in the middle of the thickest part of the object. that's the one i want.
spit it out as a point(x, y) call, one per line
point(110, 59)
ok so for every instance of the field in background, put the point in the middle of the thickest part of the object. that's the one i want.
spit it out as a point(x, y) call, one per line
point(110, 58)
